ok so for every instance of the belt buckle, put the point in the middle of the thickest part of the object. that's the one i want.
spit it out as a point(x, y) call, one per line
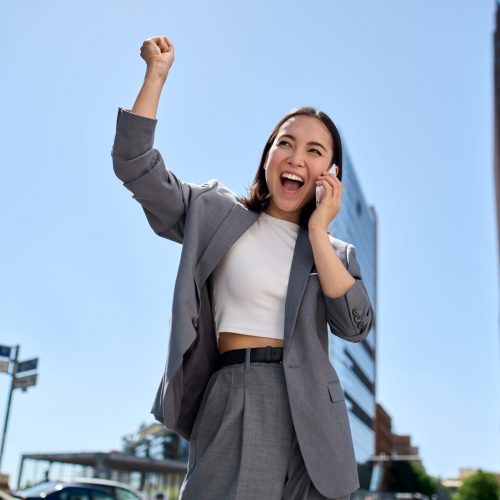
point(268, 353)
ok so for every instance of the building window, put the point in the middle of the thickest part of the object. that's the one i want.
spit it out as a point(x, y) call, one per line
point(358, 207)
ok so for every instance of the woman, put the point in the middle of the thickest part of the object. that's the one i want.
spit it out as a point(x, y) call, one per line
point(248, 379)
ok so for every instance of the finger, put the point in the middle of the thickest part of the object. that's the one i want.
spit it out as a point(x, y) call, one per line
point(332, 170)
point(151, 43)
point(334, 188)
point(336, 181)
point(332, 175)
point(330, 179)
point(322, 177)
point(328, 175)
point(328, 171)
point(338, 193)
point(167, 43)
point(339, 183)
point(327, 187)
point(169, 47)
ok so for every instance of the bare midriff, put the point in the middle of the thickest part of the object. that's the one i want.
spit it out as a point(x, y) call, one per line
point(229, 341)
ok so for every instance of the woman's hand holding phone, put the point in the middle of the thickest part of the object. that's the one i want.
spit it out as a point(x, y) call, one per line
point(328, 198)
point(320, 189)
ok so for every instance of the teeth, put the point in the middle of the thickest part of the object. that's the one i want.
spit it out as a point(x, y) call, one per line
point(292, 177)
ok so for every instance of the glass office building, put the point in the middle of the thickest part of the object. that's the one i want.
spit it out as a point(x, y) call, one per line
point(356, 223)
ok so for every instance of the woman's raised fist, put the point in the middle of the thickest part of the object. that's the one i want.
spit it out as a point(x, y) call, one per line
point(158, 53)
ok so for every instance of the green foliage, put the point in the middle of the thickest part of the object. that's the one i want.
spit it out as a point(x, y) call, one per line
point(479, 486)
point(409, 477)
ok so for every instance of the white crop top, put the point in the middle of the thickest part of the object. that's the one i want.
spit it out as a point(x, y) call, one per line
point(251, 281)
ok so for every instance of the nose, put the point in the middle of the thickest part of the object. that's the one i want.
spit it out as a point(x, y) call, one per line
point(296, 159)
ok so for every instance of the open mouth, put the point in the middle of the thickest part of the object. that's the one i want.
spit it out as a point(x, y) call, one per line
point(291, 182)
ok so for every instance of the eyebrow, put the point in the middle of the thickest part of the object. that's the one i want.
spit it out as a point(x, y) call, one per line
point(311, 143)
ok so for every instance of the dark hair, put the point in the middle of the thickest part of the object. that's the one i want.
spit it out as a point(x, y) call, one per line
point(258, 197)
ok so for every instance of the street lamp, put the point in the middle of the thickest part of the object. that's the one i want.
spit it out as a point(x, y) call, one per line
point(17, 382)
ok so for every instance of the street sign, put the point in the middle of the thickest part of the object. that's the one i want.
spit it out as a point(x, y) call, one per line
point(23, 382)
point(5, 351)
point(24, 366)
point(4, 366)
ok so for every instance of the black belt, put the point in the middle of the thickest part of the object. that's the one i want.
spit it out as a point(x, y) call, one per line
point(266, 354)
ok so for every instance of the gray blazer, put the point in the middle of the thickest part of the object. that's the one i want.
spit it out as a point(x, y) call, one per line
point(207, 219)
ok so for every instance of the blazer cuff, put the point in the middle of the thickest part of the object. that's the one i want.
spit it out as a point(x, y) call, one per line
point(355, 308)
point(351, 315)
point(134, 134)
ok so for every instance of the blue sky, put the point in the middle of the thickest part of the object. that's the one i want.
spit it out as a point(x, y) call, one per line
point(86, 285)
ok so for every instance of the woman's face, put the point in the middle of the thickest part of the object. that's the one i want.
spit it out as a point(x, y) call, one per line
point(302, 150)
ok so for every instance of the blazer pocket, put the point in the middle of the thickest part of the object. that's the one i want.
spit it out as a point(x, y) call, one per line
point(335, 390)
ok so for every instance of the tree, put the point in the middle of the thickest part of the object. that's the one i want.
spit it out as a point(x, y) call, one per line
point(479, 486)
point(409, 477)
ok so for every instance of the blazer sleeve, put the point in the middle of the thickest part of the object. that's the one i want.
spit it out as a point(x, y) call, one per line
point(164, 198)
point(351, 315)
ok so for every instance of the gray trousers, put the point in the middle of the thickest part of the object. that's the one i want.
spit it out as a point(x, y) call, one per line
point(243, 444)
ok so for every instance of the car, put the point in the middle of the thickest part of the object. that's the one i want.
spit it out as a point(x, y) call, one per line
point(6, 496)
point(79, 489)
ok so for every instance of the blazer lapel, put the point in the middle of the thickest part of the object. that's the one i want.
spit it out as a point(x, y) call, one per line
point(232, 227)
point(302, 262)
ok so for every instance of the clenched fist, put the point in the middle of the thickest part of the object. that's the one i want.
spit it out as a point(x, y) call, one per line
point(158, 53)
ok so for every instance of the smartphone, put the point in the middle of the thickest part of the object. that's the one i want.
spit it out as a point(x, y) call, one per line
point(320, 189)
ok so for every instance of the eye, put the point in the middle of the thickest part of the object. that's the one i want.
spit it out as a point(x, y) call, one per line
point(316, 151)
point(283, 142)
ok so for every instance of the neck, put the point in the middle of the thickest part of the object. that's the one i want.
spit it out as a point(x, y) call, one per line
point(280, 214)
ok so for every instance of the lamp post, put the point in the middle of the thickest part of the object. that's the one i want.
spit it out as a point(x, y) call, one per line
point(16, 382)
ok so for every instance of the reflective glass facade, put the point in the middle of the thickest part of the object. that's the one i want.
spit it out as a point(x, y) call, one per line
point(355, 362)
